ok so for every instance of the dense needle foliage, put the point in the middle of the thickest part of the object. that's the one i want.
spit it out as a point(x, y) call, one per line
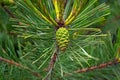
point(33, 48)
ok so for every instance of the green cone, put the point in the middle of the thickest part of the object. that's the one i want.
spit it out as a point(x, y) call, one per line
point(62, 38)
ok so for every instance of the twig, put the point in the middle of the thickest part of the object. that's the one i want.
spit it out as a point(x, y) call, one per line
point(19, 65)
point(52, 63)
point(9, 12)
point(114, 62)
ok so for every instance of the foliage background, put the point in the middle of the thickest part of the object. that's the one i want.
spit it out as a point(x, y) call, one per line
point(21, 50)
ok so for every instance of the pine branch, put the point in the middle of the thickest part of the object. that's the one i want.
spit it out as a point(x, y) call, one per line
point(52, 62)
point(110, 63)
point(19, 65)
point(9, 12)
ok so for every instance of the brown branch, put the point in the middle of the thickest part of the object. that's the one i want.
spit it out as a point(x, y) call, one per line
point(52, 62)
point(111, 63)
point(9, 12)
point(19, 65)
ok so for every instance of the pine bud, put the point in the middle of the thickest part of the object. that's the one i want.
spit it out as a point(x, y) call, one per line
point(62, 38)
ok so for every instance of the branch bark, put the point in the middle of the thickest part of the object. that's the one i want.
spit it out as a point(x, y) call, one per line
point(19, 65)
point(52, 63)
point(9, 12)
point(111, 63)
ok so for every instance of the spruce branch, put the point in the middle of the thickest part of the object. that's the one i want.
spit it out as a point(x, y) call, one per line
point(19, 65)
